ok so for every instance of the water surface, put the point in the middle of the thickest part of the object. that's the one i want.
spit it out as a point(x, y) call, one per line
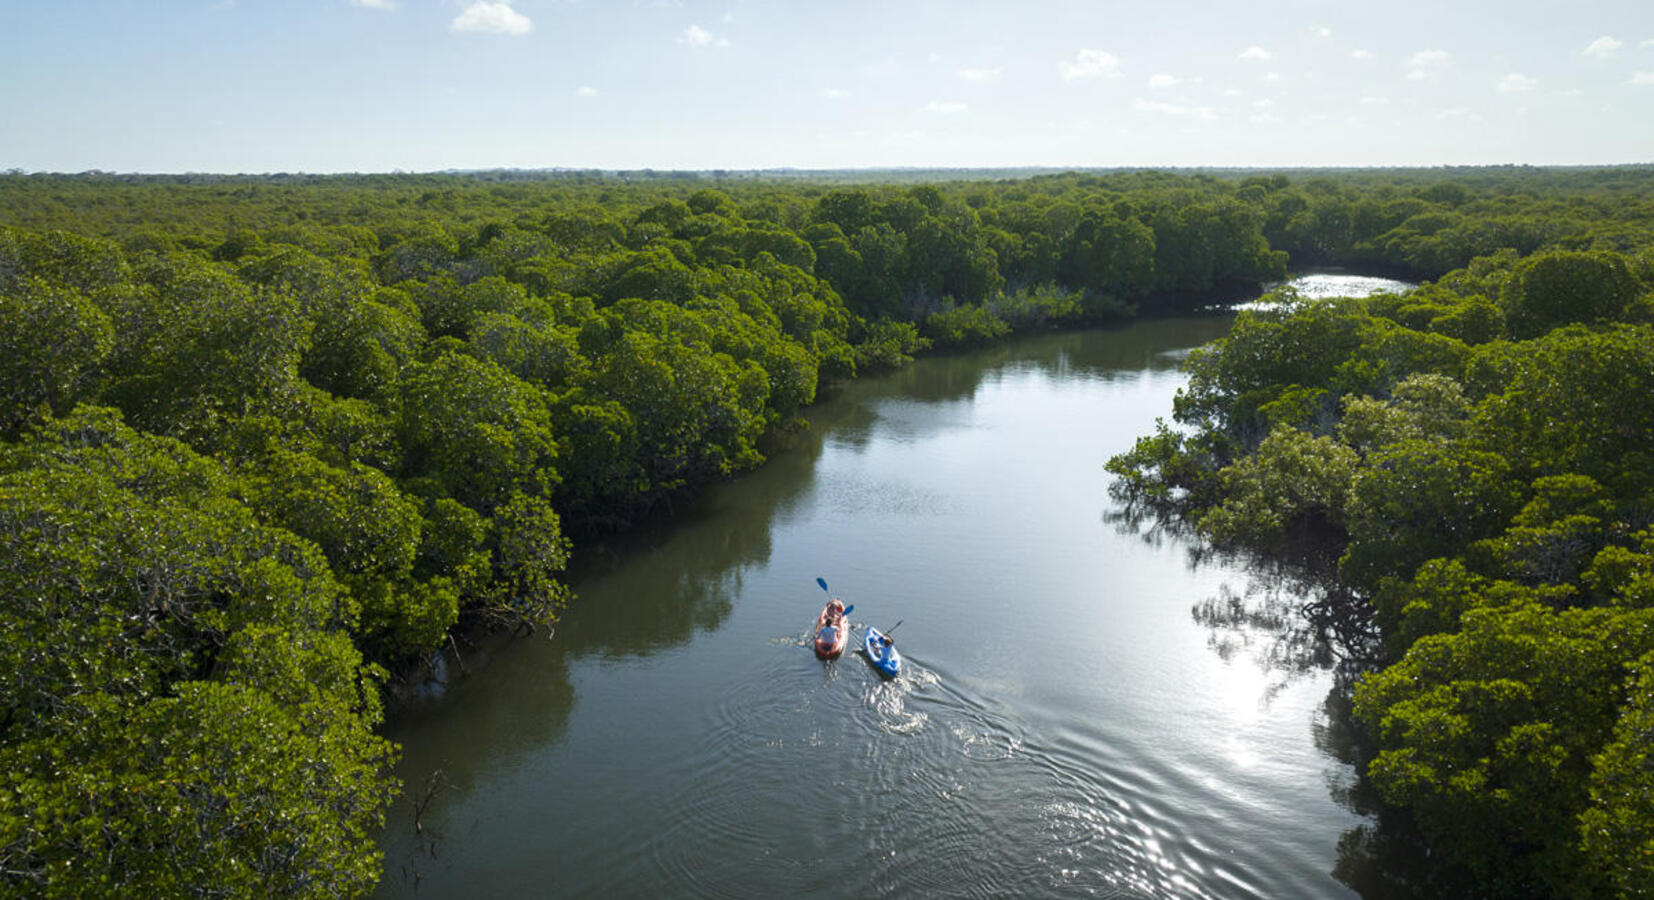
point(1064, 726)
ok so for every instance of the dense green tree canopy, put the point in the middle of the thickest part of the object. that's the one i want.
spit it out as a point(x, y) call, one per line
point(260, 436)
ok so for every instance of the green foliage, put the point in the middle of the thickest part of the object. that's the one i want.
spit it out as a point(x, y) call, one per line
point(1426, 407)
point(476, 430)
point(888, 344)
point(530, 552)
point(205, 725)
point(424, 250)
point(1491, 498)
point(52, 347)
point(1046, 306)
point(1110, 255)
point(1167, 472)
point(964, 325)
point(1267, 353)
point(360, 351)
point(1623, 575)
point(217, 789)
point(1488, 735)
point(197, 344)
point(1552, 289)
point(1418, 500)
point(698, 414)
point(1294, 480)
point(1556, 535)
point(357, 516)
point(540, 352)
point(1578, 401)
point(1617, 830)
point(84, 264)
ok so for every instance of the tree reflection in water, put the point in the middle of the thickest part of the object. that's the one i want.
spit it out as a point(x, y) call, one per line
point(1293, 617)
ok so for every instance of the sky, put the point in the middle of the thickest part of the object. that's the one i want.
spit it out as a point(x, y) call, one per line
point(426, 85)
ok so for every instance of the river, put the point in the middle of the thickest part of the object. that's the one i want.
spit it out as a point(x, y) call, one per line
point(1065, 725)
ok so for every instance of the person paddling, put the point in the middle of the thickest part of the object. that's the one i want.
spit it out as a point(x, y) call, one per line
point(830, 629)
point(832, 619)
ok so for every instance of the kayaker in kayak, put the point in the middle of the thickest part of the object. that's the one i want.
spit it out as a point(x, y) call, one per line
point(834, 620)
point(881, 652)
point(830, 637)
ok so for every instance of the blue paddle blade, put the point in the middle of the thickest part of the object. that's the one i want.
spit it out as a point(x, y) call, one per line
point(847, 609)
point(823, 583)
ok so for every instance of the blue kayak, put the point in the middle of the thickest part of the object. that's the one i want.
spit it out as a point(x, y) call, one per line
point(882, 653)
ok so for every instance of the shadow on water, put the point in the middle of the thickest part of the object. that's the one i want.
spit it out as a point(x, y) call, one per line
point(622, 610)
point(1294, 617)
point(954, 377)
point(1282, 617)
point(1385, 857)
point(439, 763)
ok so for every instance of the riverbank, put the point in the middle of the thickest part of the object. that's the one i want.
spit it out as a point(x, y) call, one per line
point(1097, 740)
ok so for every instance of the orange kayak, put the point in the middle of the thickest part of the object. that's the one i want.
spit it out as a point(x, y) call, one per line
point(830, 639)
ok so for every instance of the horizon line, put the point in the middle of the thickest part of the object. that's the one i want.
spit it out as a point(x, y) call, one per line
point(18, 172)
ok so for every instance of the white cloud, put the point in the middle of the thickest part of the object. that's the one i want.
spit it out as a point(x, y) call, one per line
point(1264, 119)
point(1570, 92)
point(1362, 55)
point(1647, 43)
point(835, 94)
point(1516, 83)
point(1457, 113)
point(1603, 47)
point(1426, 63)
point(696, 36)
point(1272, 76)
point(1092, 64)
point(386, 5)
point(937, 106)
point(1255, 53)
point(1162, 80)
point(491, 18)
point(1375, 101)
point(1264, 103)
point(1233, 92)
point(1642, 79)
point(585, 91)
point(1323, 32)
point(1174, 110)
point(979, 75)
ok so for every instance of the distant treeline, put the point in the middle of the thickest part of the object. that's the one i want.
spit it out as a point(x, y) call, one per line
point(1479, 453)
point(262, 439)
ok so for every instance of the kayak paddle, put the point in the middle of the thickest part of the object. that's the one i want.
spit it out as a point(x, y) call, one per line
point(823, 582)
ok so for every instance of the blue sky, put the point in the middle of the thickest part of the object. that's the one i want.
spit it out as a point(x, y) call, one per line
point(420, 85)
